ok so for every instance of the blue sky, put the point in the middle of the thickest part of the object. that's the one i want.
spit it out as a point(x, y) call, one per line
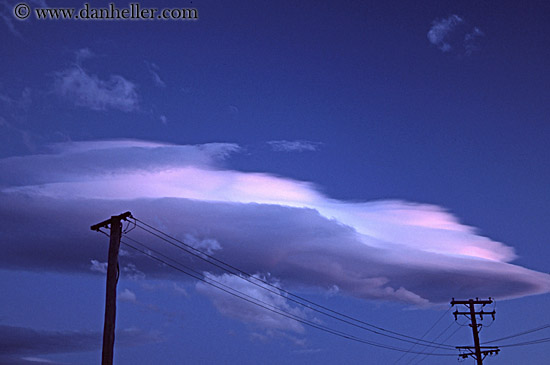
point(377, 158)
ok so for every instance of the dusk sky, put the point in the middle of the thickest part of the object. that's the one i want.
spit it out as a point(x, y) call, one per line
point(374, 158)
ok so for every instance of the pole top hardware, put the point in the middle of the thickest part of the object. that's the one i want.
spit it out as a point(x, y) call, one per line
point(105, 223)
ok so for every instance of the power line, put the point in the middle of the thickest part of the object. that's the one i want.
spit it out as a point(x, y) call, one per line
point(520, 334)
point(256, 302)
point(424, 335)
point(533, 342)
point(446, 339)
point(246, 276)
point(435, 339)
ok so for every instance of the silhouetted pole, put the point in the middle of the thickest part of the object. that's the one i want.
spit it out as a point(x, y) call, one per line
point(112, 279)
point(477, 354)
point(475, 332)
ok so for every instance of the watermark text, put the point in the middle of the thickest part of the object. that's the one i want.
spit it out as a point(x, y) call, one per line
point(134, 11)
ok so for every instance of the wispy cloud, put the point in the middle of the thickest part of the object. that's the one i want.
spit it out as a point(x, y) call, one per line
point(454, 34)
point(82, 55)
point(441, 30)
point(27, 341)
point(127, 296)
point(293, 146)
point(14, 110)
point(387, 250)
point(153, 71)
point(21, 343)
point(6, 13)
point(87, 90)
point(234, 307)
point(100, 267)
point(471, 39)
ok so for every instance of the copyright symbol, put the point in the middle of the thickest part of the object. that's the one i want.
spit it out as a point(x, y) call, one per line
point(22, 11)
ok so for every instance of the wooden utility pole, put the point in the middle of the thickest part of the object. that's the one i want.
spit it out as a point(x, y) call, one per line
point(112, 278)
point(480, 352)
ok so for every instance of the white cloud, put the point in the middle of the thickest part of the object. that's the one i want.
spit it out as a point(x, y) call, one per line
point(127, 296)
point(234, 307)
point(132, 272)
point(440, 31)
point(37, 359)
point(470, 40)
point(153, 71)
point(180, 290)
point(7, 16)
point(454, 34)
point(207, 245)
point(100, 267)
point(83, 54)
point(293, 146)
point(387, 250)
point(86, 90)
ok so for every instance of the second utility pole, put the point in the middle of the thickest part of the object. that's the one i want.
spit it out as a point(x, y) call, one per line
point(112, 279)
point(477, 355)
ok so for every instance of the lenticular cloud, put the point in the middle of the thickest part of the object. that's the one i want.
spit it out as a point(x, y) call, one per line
point(388, 250)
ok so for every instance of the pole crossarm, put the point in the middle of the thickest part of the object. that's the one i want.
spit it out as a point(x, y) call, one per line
point(483, 353)
point(106, 222)
point(467, 302)
point(480, 314)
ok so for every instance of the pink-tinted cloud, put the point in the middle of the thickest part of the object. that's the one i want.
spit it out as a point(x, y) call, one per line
point(388, 250)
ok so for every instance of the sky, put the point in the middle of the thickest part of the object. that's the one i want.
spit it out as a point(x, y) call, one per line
point(374, 158)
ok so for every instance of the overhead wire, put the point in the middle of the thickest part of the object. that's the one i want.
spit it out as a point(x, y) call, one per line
point(526, 343)
point(257, 302)
point(445, 340)
point(424, 335)
point(435, 339)
point(533, 330)
point(278, 290)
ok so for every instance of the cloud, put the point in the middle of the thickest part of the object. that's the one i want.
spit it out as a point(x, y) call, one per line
point(153, 71)
point(100, 267)
point(293, 146)
point(37, 359)
point(247, 312)
point(14, 110)
point(16, 106)
point(24, 342)
point(454, 34)
point(207, 245)
point(380, 250)
point(6, 13)
point(233, 109)
point(21, 344)
point(83, 54)
point(132, 272)
point(7, 16)
point(470, 40)
point(440, 31)
point(87, 90)
point(127, 296)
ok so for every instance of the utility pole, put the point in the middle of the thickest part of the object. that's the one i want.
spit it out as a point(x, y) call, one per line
point(112, 279)
point(480, 352)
